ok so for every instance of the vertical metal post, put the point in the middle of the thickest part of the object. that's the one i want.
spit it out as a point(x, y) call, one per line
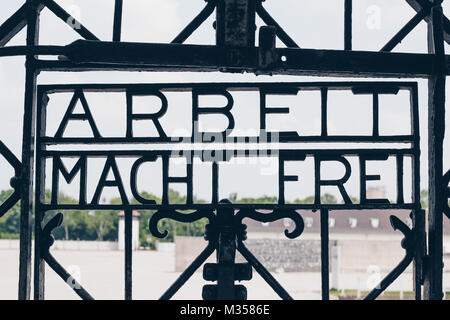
point(235, 24)
point(26, 208)
point(39, 264)
point(226, 255)
point(436, 128)
point(325, 254)
point(117, 28)
point(348, 7)
point(128, 254)
point(418, 215)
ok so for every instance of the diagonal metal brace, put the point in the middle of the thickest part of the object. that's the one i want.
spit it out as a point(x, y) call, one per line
point(47, 240)
point(408, 243)
point(15, 181)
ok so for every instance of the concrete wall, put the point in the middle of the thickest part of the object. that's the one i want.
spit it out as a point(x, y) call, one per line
point(68, 245)
point(187, 249)
point(358, 255)
point(286, 255)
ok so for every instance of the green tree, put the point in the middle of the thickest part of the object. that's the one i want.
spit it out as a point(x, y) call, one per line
point(10, 222)
point(424, 198)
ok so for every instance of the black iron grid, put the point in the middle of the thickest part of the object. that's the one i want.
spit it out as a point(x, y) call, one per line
point(235, 51)
point(165, 210)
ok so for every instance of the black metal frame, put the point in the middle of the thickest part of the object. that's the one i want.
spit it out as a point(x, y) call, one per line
point(235, 51)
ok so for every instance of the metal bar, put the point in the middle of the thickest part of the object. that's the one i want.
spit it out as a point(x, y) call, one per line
point(13, 25)
point(226, 254)
point(10, 157)
point(267, 18)
point(418, 215)
point(377, 86)
point(31, 50)
point(215, 183)
point(187, 274)
point(95, 55)
point(292, 154)
point(367, 206)
point(325, 254)
point(409, 244)
point(63, 274)
point(117, 28)
point(29, 121)
point(235, 24)
point(66, 17)
point(376, 116)
point(390, 278)
point(196, 22)
point(348, 33)
point(419, 5)
point(436, 131)
point(407, 28)
point(175, 140)
point(128, 254)
point(39, 265)
point(271, 281)
point(324, 113)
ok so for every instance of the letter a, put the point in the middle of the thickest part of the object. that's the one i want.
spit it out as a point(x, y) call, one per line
point(87, 115)
point(117, 182)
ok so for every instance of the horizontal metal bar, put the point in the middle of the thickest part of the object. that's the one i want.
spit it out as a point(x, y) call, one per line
point(178, 140)
point(94, 55)
point(11, 51)
point(375, 86)
point(376, 206)
point(285, 153)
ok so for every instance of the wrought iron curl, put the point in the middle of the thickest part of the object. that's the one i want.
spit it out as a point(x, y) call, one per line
point(177, 216)
point(47, 238)
point(274, 216)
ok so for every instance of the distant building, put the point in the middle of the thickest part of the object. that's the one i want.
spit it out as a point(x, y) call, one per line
point(134, 233)
point(342, 224)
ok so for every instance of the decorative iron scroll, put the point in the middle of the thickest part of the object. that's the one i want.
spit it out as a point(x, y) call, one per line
point(226, 231)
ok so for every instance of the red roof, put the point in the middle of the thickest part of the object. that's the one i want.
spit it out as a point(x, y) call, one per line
point(135, 214)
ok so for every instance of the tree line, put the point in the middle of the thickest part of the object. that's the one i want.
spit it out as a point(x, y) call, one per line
point(103, 225)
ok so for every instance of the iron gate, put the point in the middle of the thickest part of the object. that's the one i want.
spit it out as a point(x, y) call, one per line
point(235, 51)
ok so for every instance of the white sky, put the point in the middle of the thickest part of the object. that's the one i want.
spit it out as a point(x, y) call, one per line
point(311, 23)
